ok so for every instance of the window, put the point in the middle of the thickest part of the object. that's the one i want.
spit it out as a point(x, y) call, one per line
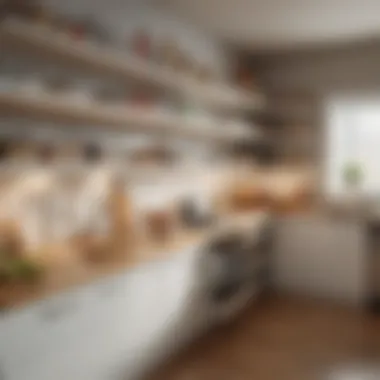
point(353, 137)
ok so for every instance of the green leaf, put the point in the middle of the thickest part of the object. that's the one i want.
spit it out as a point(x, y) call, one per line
point(352, 173)
point(20, 270)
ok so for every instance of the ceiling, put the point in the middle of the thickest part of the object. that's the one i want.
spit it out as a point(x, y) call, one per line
point(273, 24)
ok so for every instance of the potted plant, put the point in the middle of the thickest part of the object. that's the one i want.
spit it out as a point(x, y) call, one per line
point(352, 175)
point(20, 271)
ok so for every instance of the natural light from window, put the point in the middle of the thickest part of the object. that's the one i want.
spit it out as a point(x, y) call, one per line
point(353, 138)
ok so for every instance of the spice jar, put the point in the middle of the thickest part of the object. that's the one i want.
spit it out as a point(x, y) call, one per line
point(120, 208)
point(77, 31)
point(141, 44)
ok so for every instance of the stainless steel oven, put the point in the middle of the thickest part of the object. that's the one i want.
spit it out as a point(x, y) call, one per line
point(237, 267)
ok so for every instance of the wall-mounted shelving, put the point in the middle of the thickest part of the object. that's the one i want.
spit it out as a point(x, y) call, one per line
point(127, 118)
point(90, 56)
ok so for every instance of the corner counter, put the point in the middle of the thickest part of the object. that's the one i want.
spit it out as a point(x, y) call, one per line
point(112, 328)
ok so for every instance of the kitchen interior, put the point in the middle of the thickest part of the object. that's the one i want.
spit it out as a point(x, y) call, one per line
point(189, 189)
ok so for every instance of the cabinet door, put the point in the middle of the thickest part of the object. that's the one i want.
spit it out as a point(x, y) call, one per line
point(104, 331)
point(321, 257)
point(32, 338)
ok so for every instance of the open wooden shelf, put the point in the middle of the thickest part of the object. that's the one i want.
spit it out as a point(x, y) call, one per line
point(90, 56)
point(127, 118)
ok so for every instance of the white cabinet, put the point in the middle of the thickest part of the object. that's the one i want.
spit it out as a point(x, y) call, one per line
point(34, 340)
point(106, 330)
point(322, 257)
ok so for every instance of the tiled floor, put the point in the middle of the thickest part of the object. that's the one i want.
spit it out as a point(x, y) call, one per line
point(281, 339)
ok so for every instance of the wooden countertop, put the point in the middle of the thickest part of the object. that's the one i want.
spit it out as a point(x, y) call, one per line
point(74, 272)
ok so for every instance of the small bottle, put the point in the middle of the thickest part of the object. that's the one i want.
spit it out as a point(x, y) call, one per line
point(141, 44)
point(122, 234)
